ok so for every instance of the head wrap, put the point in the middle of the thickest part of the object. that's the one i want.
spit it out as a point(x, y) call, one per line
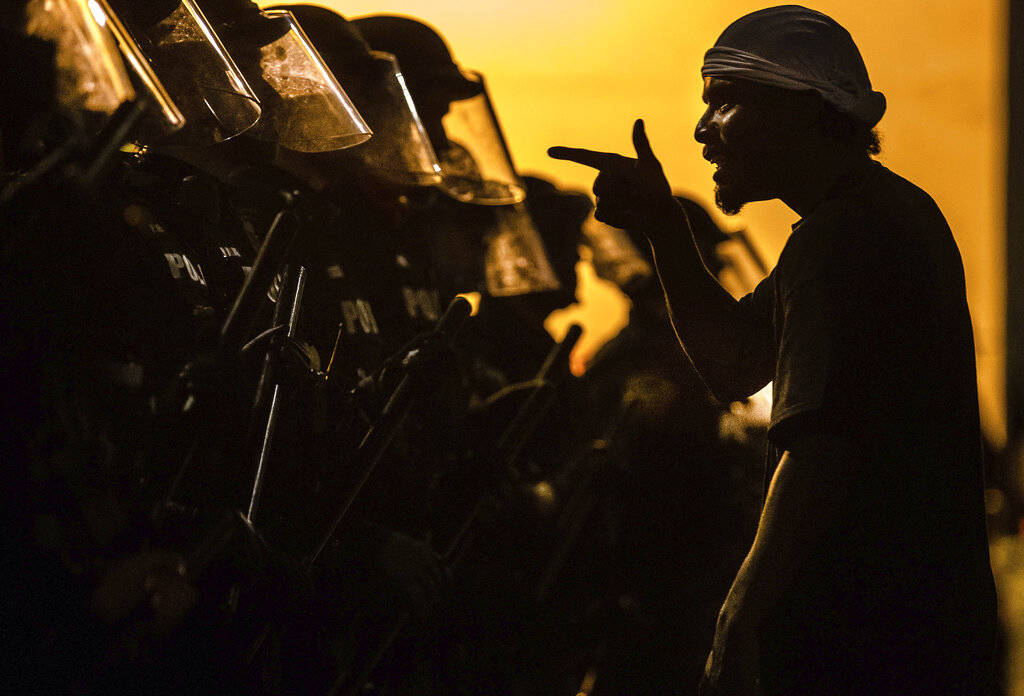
point(795, 48)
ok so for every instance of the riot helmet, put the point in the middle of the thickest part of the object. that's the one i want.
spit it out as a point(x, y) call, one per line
point(515, 259)
point(615, 257)
point(457, 113)
point(163, 116)
point(305, 108)
point(495, 250)
point(97, 67)
point(559, 216)
point(191, 61)
point(91, 76)
point(400, 150)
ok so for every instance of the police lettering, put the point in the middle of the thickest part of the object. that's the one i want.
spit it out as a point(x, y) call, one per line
point(358, 316)
point(177, 262)
point(422, 303)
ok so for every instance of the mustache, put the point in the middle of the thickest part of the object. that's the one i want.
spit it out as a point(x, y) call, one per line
point(713, 155)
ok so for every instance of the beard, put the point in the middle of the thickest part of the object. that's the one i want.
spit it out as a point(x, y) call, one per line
point(729, 200)
point(741, 181)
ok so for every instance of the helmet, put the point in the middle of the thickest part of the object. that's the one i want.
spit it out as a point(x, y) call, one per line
point(399, 151)
point(457, 113)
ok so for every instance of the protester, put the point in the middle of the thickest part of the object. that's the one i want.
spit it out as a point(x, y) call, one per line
point(869, 572)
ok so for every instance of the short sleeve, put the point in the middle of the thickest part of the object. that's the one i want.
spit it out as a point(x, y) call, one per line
point(805, 357)
point(757, 305)
point(813, 300)
point(840, 325)
point(757, 358)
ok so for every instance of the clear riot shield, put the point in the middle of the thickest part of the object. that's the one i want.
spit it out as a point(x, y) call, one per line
point(306, 109)
point(475, 163)
point(91, 76)
point(613, 255)
point(515, 261)
point(164, 116)
point(197, 71)
point(99, 64)
point(399, 151)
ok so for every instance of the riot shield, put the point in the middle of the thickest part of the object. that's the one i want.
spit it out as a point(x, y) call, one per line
point(400, 151)
point(91, 76)
point(306, 110)
point(475, 163)
point(614, 256)
point(192, 63)
point(515, 261)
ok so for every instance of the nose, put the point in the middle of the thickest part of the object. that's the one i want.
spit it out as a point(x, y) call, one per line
point(702, 133)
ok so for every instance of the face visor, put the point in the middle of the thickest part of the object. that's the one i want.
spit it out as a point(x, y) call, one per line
point(400, 150)
point(515, 261)
point(197, 71)
point(475, 162)
point(305, 109)
point(91, 77)
point(614, 256)
point(163, 116)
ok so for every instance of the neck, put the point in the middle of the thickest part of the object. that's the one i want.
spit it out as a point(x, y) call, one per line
point(816, 173)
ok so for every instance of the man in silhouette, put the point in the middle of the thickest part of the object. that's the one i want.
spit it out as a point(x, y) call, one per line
point(869, 571)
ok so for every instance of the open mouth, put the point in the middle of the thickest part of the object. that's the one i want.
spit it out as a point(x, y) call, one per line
point(715, 158)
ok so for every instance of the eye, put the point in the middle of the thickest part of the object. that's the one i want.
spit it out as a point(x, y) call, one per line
point(718, 107)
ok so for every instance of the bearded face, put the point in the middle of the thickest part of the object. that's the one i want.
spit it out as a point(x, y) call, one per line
point(749, 132)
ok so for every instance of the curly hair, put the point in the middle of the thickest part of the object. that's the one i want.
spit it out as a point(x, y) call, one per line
point(846, 129)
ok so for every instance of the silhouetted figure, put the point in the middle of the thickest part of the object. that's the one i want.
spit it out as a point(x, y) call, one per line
point(683, 521)
point(869, 572)
point(510, 330)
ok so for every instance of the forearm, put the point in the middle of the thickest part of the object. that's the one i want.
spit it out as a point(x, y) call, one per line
point(805, 494)
point(723, 345)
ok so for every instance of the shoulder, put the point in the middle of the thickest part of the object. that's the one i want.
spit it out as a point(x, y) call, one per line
point(889, 197)
point(875, 199)
point(883, 208)
point(878, 219)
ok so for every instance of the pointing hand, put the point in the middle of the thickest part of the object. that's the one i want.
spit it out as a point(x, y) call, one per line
point(631, 192)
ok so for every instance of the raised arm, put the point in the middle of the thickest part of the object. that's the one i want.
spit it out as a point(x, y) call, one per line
point(730, 351)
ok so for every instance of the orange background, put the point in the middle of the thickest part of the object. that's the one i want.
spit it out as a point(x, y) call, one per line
point(578, 72)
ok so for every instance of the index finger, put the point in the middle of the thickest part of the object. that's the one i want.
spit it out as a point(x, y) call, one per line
point(588, 158)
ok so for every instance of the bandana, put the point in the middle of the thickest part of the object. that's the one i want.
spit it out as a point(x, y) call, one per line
point(795, 48)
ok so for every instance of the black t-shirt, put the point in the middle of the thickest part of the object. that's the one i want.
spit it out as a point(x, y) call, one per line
point(872, 343)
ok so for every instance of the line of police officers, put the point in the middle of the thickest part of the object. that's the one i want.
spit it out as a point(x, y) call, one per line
point(253, 441)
